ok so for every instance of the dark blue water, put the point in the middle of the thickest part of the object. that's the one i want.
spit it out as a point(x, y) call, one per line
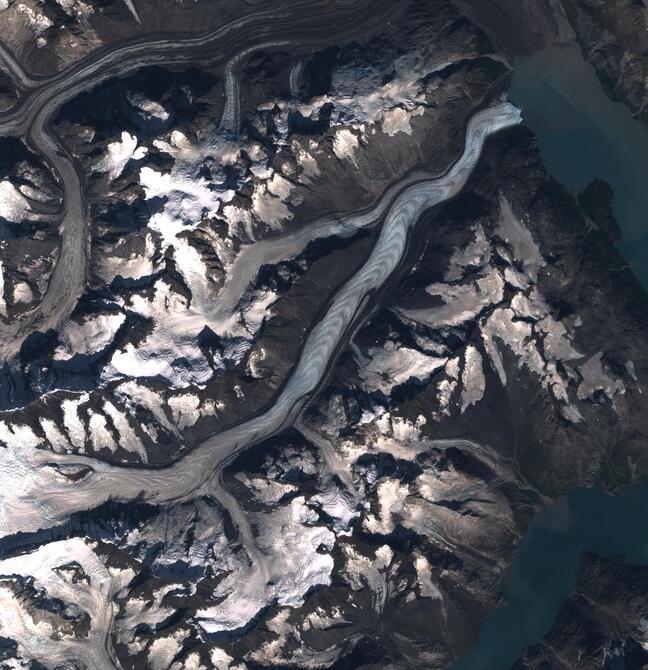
point(546, 565)
point(583, 135)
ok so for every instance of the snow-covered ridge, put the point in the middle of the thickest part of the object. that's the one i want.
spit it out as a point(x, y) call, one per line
point(40, 474)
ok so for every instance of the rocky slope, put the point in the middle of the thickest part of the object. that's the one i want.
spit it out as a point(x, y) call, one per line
point(613, 37)
point(602, 625)
point(339, 335)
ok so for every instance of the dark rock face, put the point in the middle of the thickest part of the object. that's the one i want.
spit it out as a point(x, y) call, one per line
point(614, 40)
point(297, 334)
point(519, 28)
point(602, 625)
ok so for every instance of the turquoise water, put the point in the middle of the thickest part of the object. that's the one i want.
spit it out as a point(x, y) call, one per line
point(546, 566)
point(582, 135)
